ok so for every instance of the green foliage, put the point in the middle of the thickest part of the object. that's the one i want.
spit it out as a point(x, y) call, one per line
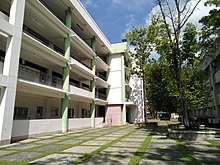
point(176, 75)
point(210, 34)
point(157, 94)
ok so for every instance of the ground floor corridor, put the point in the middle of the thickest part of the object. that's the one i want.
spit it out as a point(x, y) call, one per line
point(128, 144)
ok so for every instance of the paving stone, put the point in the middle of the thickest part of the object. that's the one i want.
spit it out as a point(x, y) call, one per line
point(47, 141)
point(119, 151)
point(159, 137)
point(95, 160)
point(28, 140)
point(115, 135)
point(163, 141)
point(163, 146)
point(198, 142)
point(4, 152)
point(22, 146)
point(83, 137)
point(74, 141)
point(57, 159)
point(62, 137)
point(75, 135)
point(162, 154)
point(137, 136)
point(82, 149)
point(50, 148)
point(130, 139)
point(45, 137)
point(202, 148)
point(213, 158)
point(96, 142)
point(127, 144)
point(18, 157)
point(94, 135)
point(110, 138)
point(160, 162)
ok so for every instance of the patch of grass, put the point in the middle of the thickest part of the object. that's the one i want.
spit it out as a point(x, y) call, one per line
point(46, 153)
point(215, 143)
point(87, 156)
point(187, 155)
point(139, 154)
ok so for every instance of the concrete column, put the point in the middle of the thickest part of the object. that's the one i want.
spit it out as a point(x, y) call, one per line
point(10, 69)
point(215, 94)
point(66, 74)
point(123, 89)
point(92, 84)
point(107, 76)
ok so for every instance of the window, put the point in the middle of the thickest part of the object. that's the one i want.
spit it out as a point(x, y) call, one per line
point(39, 112)
point(54, 112)
point(20, 113)
point(70, 112)
point(84, 114)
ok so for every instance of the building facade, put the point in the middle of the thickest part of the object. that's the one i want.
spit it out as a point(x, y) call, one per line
point(211, 66)
point(56, 70)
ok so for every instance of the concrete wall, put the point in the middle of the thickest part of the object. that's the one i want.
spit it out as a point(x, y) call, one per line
point(113, 115)
point(115, 95)
point(32, 128)
point(137, 97)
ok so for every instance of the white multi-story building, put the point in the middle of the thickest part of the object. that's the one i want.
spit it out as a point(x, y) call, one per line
point(58, 71)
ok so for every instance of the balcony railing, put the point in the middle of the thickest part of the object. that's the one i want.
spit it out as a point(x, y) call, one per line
point(38, 77)
point(43, 40)
point(100, 96)
point(101, 76)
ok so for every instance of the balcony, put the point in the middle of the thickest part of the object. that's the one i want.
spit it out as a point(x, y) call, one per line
point(38, 14)
point(100, 99)
point(100, 83)
point(217, 77)
point(81, 70)
point(127, 71)
point(100, 96)
point(101, 65)
point(34, 46)
point(80, 94)
point(33, 75)
point(81, 48)
point(34, 82)
point(127, 86)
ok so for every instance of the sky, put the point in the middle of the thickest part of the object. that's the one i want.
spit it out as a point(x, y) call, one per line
point(115, 17)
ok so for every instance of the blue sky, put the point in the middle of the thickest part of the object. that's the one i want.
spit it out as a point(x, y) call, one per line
point(115, 17)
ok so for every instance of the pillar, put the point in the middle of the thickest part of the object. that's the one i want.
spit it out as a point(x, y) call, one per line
point(66, 73)
point(92, 84)
point(107, 76)
point(215, 94)
point(123, 89)
point(11, 64)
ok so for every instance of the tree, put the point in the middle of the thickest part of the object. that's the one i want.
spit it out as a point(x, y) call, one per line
point(210, 33)
point(139, 38)
point(157, 94)
point(173, 16)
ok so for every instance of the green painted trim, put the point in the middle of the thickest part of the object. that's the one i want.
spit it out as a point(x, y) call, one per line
point(123, 89)
point(107, 76)
point(66, 74)
point(92, 83)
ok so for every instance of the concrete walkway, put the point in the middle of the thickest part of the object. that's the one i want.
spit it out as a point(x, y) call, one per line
point(111, 145)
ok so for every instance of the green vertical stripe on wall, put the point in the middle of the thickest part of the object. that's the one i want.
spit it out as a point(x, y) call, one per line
point(66, 74)
point(123, 89)
point(92, 83)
